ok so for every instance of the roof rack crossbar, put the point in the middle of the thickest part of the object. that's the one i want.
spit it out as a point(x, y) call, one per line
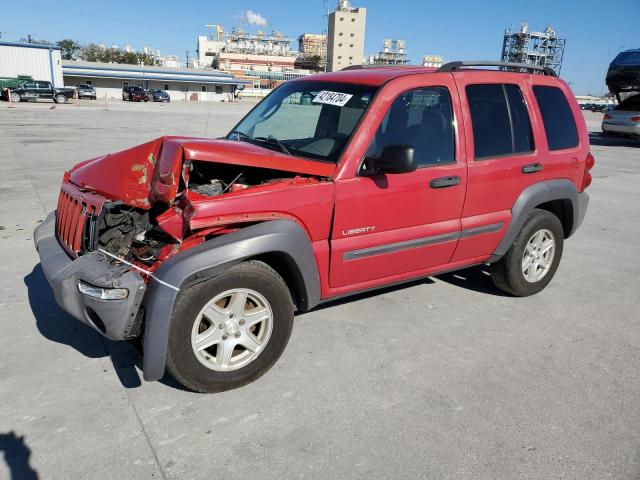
point(455, 66)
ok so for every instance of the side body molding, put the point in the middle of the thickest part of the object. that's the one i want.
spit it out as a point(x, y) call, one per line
point(535, 195)
point(212, 258)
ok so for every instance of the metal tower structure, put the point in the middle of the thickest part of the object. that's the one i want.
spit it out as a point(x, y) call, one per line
point(535, 48)
point(392, 53)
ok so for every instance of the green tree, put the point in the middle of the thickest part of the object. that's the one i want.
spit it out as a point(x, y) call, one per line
point(69, 49)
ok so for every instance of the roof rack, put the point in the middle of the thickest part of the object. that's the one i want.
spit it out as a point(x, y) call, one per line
point(456, 66)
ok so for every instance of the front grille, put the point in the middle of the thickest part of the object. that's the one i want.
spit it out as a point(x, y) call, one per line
point(72, 216)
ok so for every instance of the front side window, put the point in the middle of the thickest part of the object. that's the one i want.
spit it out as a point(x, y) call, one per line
point(306, 118)
point(423, 119)
point(557, 117)
point(500, 120)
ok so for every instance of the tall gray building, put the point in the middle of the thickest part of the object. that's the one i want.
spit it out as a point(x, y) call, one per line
point(345, 42)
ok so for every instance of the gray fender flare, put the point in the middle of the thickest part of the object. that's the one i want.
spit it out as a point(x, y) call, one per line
point(212, 258)
point(538, 194)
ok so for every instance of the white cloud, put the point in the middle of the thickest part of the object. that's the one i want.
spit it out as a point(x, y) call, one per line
point(253, 18)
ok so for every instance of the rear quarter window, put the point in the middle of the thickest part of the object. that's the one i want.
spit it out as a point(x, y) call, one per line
point(559, 124)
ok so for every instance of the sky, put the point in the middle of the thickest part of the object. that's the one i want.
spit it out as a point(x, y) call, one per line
point(595, 30)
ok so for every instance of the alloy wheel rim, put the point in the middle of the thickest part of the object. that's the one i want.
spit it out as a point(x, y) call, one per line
point(538, 255)
point(232, 329)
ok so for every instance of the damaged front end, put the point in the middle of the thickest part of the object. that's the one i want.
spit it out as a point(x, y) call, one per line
point(120, 216)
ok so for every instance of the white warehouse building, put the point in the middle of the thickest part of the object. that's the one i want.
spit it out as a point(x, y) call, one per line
point(180, 83)
point(40, 62)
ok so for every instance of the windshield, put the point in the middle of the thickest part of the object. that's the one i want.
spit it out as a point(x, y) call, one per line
point(306, 118)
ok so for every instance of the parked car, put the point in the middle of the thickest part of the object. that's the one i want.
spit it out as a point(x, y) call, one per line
point(86, 91)
point(208, 246)
point(158, 96)
point(624, 119)
point(601, 107)
point(134, 94)
point(38, 90)
point(624, 72)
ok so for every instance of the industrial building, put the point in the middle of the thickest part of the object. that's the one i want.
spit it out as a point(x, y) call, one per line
point(181, 83)
point(392, 53)
point(40, 62)
point(535, 48)
point(312, 49)
point(345, 41)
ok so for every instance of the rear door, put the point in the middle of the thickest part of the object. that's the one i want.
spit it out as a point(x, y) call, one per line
point(504, 155)
point(389, 227)
point(44, 89)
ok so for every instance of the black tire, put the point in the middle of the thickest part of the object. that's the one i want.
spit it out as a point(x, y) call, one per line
point(16, 98)
point(182, 363)
point(60, 98)
point(507, 272)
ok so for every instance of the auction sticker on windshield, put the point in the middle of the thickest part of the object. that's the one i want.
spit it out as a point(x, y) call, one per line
point(332, 98)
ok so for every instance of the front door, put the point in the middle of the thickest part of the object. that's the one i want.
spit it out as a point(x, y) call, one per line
point(389, 227)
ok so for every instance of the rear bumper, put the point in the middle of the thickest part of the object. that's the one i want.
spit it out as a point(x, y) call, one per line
point(580, 210)
point(115, 319)
point(627, 128)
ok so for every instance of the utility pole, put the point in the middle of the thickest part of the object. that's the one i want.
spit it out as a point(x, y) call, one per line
point(28, 38)
point(187, 52)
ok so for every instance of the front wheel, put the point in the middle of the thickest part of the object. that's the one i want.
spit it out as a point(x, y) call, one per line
point(228, 331)
point(15, 97)
point(532, 260)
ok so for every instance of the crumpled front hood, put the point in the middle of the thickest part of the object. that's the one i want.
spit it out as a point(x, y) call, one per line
point(151, 172)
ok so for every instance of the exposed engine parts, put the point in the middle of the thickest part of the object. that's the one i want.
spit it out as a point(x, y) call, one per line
point(136, 234)
point(128, 233)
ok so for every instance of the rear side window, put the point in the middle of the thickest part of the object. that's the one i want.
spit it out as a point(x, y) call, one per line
point(559, 124)
point(500, 120)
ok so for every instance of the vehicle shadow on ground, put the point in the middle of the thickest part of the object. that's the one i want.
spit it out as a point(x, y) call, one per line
point(596, 138)
point(477, 279)
point(17, 456)
point(56, 325)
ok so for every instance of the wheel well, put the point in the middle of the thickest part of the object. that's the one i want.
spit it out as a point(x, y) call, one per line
point(562, 209)
point(288, 270)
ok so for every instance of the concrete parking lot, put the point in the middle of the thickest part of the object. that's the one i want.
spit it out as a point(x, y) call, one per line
point(443, 378)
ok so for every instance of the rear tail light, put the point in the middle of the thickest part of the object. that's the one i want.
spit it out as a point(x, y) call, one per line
point(635, 119)
point(607, 116)
point(586, 179)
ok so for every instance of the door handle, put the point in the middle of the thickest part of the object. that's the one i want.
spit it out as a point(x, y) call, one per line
point(444, 182)
point(532, 168)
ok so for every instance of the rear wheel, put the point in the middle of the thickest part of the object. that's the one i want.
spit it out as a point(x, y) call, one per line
point(60, 98)
point(228, 331)
point(532, 260)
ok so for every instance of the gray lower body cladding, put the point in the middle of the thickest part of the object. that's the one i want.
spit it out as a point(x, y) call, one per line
point(539, 194)
point(212, 258)
point(115, 319)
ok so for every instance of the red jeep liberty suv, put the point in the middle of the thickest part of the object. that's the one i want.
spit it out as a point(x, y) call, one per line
point(333, 184)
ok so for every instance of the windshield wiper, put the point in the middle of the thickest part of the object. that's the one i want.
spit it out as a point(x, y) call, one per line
point(275, 141)
point(240, 135)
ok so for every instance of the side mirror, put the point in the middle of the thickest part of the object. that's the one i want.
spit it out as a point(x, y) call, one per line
point(393, 159)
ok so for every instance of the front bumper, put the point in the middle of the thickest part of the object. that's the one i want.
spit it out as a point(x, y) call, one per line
point(626, 128)
point(115, 319)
